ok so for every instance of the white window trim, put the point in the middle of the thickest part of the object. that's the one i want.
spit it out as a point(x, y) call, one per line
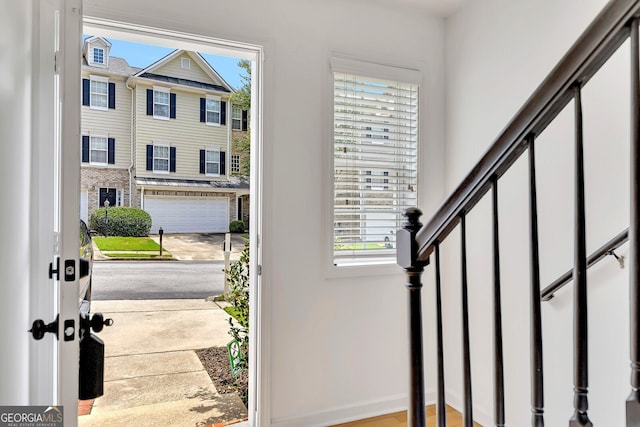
point(168, 146)
point(206, 110)
point(234, 120)
point(207, 149)
point(106, 137)
point(234, 163)
point(101, 79)
point(105, 55)
point(168, 92)
point(340, 62)
point(186, 61)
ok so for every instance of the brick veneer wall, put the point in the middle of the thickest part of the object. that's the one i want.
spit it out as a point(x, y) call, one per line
point(94, 178)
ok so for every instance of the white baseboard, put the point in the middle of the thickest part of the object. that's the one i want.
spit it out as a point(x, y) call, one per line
point(480, 415)
point(348, 413)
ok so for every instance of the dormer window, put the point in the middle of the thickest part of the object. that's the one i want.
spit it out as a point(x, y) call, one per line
point(98, 55)
point(96, 51)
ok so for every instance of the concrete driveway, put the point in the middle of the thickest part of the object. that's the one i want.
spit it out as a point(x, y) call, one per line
point(200, 246)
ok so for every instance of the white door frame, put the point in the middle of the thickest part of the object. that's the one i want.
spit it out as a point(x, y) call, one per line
point(259, 389)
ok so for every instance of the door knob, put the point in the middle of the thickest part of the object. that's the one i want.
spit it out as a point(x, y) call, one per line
point(39, 328)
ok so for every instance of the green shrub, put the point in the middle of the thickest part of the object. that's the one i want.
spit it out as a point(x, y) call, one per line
point(122, 221)
point(238, 297)
point(236, 226)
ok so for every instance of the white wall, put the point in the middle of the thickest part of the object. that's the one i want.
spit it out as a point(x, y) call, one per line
point(498, 52)
point(15, 184)
point(338, 346)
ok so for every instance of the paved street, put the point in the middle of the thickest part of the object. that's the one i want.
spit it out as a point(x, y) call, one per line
point(136, 280)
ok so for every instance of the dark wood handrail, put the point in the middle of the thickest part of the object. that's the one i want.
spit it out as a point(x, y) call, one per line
point(613, 244)
point(599, 41)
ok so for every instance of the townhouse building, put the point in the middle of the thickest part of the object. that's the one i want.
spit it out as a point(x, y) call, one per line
point(159, 138)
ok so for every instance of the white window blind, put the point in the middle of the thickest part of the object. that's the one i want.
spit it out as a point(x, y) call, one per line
point(375, 165)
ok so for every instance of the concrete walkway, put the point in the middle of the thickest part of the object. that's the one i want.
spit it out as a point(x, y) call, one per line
point(152, 373)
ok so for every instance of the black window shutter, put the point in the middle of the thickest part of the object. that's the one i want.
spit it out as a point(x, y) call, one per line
point(85, 148)
point(149, 103)
point(111, 151)
point(223, 113)
point(149, 157)
point(172, 105)
point(172, 159)
point(245, 120)
point(112, 95)
point(86, 91)
point(203, 110)
point(202, 167)
point(222, 163)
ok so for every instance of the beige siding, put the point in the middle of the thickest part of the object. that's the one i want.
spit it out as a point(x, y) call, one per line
point(174, 69)
point(114, 123)
point(185, 132)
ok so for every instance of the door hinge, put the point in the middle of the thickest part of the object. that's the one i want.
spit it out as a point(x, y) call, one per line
point(259, 270)
point(55, 271)
point(69, 269)
point(56, 66)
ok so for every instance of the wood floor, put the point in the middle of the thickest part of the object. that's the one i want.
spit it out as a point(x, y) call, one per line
point(399, 419)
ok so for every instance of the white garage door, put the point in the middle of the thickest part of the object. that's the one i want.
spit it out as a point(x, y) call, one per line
point(203, 215)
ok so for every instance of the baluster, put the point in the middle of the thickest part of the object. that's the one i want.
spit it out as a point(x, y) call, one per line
point(580, 331)
point(441, 410)
point(466, 354)
point(633, 401)
point(407, 256)
point(537, 389)
point(497, 317)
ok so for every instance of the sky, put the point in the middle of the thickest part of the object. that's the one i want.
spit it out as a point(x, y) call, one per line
point(143, 55)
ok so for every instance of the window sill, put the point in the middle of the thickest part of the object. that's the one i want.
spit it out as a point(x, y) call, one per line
point(161, 172)
point(363, 270)
point(161, 118)
point(95, 107)
point(213, 124)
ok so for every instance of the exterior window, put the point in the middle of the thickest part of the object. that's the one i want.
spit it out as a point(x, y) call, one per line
point(98, 55)
point(235, 163)
point(236, 121)
point(161, 158)
point(98, 150)
point(99, 94)
point(375, 140)
point(212, 162)
point(213, 111)
point(160, 104)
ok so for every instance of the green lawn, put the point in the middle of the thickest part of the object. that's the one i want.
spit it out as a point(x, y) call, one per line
point(116, 243)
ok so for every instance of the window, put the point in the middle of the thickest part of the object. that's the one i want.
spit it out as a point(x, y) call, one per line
point(99, 94)
point(160, 104)
point(98, 55)
point(236, 118)
point(212, 161)
point(213, 111)
point(375, 138)
point(235, 163)
point(98, 149)
point(160, 158)
point(185, 63)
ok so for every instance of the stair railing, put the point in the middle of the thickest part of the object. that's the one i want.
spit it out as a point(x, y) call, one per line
point(416, 242)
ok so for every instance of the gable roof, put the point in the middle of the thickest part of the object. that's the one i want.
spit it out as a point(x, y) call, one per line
point(96, 38)
point(148, 72)
point(117, 66)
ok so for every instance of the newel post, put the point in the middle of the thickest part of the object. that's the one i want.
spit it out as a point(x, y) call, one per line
point(407, 257)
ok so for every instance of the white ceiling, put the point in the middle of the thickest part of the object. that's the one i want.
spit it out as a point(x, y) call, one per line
point(438, 7)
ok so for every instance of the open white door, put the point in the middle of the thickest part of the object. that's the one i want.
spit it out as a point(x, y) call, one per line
point(54, 204)
point(67, 194)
